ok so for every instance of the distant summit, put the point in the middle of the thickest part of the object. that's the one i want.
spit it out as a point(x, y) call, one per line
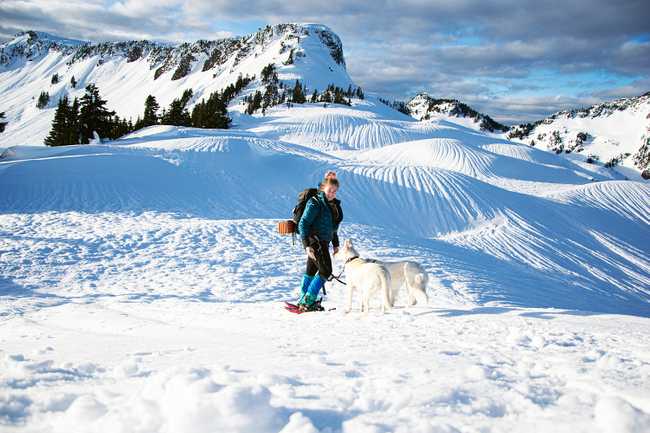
point(425, 107)
point(612, 133)
point(39, 66)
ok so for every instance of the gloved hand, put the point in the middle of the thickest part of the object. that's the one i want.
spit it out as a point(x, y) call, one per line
point(311, 253)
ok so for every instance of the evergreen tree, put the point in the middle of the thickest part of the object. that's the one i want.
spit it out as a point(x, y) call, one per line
point(139, 124)
point(232, 90)
point(43, 100)
point(217, 112)
point(119, 127)
point(314, 96)
point(255, 103)
point(58, 133)
point(338, 96)
point(187, 95)
point(72, 123)
point(55, 79)
point(177, 114)
point(2, 124)
point(326, 96)
point(73, 82)
point(270, 97)
point(360, 94)
point(199, 114)
point(150, 111)
point(93, 115)
point(298, 95)
point(269, 74)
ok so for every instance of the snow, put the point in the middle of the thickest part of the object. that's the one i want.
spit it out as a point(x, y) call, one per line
point(142, 280)
point(126, 85)
point(612, 131)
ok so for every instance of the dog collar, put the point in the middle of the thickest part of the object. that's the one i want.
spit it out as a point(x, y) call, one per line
point(350, 259)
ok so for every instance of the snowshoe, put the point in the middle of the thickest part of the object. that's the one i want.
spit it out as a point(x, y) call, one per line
point(304, 308)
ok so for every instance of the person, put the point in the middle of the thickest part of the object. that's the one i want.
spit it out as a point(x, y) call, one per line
point(318, 227)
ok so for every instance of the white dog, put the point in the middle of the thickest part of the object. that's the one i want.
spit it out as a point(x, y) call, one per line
point(403, 273)
point(366, 277)
point(409, 274)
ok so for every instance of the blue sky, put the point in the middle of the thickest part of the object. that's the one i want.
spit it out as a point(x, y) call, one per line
point(516, 60)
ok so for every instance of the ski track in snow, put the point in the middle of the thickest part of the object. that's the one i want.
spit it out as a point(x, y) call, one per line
point(142, 283)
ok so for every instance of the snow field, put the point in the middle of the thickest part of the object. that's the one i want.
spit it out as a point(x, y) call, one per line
point(142, 283)
point(170, 365)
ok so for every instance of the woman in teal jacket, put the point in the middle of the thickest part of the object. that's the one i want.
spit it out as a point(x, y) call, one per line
point(318, 227)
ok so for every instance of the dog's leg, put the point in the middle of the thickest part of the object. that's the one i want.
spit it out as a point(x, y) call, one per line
point(420, 289)
point(411, 295)
point(393, 293)
point(389, 298)
point(349, 300)
point(365, 302)
point(383, 287)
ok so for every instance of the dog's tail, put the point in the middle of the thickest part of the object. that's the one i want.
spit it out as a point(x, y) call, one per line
point(385, 288)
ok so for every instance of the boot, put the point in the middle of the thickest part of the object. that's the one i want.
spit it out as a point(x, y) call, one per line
point(310, 303)
point(309, 300)
point(306, 302)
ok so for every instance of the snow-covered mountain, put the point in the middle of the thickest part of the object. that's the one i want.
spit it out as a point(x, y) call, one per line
point(142, 279)
point(424, 107)
point(127, 72)
point(614, 133)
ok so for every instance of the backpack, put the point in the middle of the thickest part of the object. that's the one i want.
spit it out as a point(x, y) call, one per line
point(290, 227)
point(303, 198)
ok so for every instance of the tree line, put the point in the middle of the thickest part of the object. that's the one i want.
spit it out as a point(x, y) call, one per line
point(76, 121)
point(277, 93)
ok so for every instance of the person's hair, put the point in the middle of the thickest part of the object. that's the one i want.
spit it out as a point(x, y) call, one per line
point(329, 181)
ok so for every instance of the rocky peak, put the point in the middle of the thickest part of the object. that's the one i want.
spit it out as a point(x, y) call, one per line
point(424, 107)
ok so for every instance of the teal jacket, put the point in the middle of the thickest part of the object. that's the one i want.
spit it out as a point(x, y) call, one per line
point(317, 219)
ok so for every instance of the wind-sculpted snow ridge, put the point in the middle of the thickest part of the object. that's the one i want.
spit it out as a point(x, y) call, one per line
point(627, 199)
point(539, 233)
point(497, 168)
point(121, 261)
point(222, 176)
point(371, 125)
point(368, 124)
point(590, 238)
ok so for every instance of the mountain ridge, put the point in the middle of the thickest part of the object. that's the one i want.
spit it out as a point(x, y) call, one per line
point(615, 132)
point(127, 72)
point(308, 52)
point(424, 107)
